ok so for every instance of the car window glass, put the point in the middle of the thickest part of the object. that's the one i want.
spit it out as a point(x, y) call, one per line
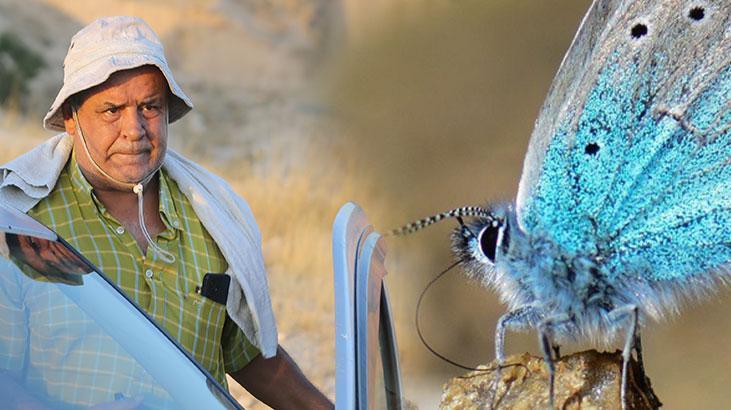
point(68, 339)
point(379, 385)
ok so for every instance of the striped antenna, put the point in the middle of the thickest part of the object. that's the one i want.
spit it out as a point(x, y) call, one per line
point(454, 213)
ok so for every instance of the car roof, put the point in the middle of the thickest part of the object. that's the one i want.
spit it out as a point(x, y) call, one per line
point(14, 221)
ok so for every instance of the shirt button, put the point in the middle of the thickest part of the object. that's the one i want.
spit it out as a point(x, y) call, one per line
point(176, 224)
point(120, 230)
point(148, 273)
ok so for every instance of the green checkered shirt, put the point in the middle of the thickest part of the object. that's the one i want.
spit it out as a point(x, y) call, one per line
point(167, 292)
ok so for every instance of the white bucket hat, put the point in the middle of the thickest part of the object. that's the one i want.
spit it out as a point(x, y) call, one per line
point(108, 45)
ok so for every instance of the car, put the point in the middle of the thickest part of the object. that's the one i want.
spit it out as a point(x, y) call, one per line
point(69, 338)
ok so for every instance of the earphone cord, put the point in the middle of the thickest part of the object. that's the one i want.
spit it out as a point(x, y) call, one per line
point(137, 188)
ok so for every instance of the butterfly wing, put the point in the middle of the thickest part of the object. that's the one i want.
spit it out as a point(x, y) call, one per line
point(565, 91)
point(630, 154)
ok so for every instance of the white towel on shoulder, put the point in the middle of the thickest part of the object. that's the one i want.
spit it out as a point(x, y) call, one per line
point(227, 217)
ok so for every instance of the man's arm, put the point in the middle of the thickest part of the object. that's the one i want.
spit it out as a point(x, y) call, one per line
point(279, 383)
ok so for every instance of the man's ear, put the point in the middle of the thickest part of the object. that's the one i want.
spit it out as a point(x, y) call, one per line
point(68, 118)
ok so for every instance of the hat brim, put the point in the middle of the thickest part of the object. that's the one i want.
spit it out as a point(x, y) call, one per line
point(99, 71)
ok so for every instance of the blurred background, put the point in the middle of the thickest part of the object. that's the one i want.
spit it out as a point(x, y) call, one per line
point(405, 107)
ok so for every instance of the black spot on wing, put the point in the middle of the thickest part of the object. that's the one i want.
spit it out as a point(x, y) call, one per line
point(591, 148)
point(638, 31)
point(697, 13)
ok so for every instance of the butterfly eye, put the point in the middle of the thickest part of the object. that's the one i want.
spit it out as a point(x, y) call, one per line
point(488, 239)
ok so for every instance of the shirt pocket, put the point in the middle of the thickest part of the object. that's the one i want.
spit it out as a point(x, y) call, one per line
point(203, 320)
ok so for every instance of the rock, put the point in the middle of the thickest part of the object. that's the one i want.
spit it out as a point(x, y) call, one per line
point(584, 380)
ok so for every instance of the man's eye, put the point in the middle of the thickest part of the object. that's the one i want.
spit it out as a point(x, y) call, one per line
point(150, 110)
point(112, 110)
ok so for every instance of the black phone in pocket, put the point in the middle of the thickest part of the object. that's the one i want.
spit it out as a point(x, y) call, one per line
point(215, 287)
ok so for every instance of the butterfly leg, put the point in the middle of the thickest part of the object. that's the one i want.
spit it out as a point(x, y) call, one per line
point(630, 340)
point(644, 383)
point(556, 350)
point(545, 339)
point(638, 351)
point(520, 317)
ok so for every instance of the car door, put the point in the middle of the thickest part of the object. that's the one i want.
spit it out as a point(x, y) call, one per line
point(367, 368)
point(69, 338)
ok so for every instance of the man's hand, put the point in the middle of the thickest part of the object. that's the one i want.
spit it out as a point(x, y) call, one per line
point(280, 384)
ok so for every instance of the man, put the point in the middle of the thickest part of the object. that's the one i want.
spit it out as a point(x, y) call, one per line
point(159, 225)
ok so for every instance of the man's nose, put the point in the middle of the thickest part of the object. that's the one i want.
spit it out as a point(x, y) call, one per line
point(133, 125)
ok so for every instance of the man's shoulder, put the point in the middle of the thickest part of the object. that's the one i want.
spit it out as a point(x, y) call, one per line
point(57, 198)
point(208, 193)
point(55, 147)
point(33, 175)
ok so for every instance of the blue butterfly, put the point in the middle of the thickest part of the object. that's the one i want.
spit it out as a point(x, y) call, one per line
point(624, 205)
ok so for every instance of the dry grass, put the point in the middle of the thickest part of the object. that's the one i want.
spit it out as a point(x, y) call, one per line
point(295, 210)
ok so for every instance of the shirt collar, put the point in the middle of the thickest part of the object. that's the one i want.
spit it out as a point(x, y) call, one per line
point(78, 180)
point(169, 214)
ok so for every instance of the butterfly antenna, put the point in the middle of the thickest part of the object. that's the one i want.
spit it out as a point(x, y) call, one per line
point(454, 213)
point(462, 224)
point(428, 346)
point(418, 323)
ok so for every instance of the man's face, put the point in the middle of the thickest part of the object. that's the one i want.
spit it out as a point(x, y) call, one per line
point(124, 121)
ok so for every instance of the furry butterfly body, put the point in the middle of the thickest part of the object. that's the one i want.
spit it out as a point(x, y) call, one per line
point(624, 205)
